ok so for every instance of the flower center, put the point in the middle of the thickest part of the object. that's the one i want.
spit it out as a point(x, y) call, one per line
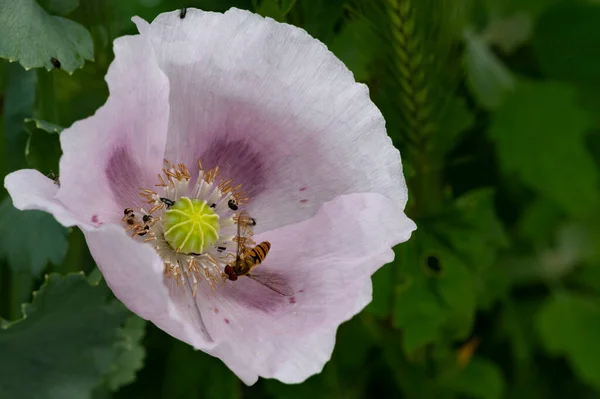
point(191, 226)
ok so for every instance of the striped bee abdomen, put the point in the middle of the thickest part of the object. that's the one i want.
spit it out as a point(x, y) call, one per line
point(259, 252)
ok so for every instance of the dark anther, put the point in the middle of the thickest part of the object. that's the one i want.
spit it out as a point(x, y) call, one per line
point(194, 254)
point(213, 205)
point(127, 211)
point(232, 205)
point(167, 202)
point(55, 62)
point(146, 218)
point(252, 222)
point(182, 13)
point(221, 249)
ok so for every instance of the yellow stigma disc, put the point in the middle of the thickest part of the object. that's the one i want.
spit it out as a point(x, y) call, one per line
point(190, 226)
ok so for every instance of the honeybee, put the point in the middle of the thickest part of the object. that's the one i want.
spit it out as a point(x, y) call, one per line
point(247, 259)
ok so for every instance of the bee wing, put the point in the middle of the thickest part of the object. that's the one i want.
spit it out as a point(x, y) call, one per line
point(273, 281)
point(244, 232)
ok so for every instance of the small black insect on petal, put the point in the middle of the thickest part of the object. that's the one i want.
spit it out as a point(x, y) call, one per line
point(169, 203)
point(55, 62)
point(183, 12)
point(232, 205)
point(213, 205)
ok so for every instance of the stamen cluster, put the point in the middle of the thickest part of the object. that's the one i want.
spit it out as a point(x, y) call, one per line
point(217, 197)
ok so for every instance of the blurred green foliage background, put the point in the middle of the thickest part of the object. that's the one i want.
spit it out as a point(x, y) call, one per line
point(494, 105)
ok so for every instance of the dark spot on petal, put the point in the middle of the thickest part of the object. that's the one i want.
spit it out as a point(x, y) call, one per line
point(303, 189)
point(303, 201)
point(226, 321)
point(292, 300)
point(216, 310)
point(94, 218)
point(301, 291)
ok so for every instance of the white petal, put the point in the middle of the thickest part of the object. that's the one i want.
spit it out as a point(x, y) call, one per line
point(134, 273)
point(29, 189)
point(328, 261)
point(275, 110)
point(109, 156)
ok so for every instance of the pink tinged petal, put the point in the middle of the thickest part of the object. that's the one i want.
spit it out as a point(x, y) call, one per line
point(275, 110)
point(109, 156)
point(132, 270)
point(328, 261)
point(29, 189)
point(134, 273)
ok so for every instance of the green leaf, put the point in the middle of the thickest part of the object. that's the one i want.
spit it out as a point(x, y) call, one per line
point(383, 289)
point(414, 302)
point(473, 229)
point(129, 352)
point(480, 379)
point(518, 328)
point(63, 345)
point(454, 120)
point(472, 236)
point(45, 126)
point(509, 33)
point(314, 388)
point(287, 5)
point(43, 146)
point(454, 286)
point(270, 8)
point(539, 222)
point(356, 46)
point(19, 100)
point(487, 77)
point(320, 17)
point(31, 239)
point(539, 133)
point(569, 325)
point(562, 41)
point(61, 7)
point(33, 37)
point(208, 375)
